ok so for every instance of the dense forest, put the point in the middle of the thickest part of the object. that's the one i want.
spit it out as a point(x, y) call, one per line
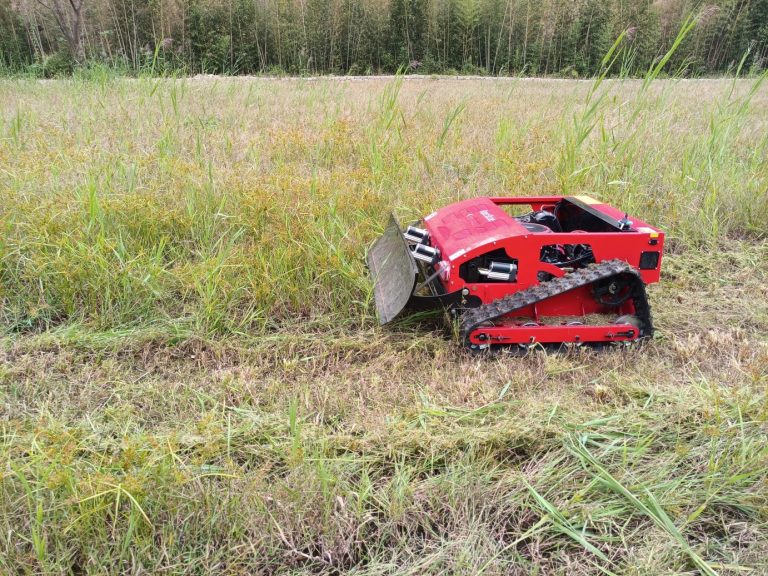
point(546, 37)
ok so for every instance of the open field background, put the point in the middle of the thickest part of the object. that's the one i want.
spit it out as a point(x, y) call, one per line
point(192, 379)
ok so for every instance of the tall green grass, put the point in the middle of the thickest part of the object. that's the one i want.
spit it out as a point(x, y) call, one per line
point(240, 206)
point(607, 142)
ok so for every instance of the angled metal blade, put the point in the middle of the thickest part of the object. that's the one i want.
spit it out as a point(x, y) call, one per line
point(394, 272)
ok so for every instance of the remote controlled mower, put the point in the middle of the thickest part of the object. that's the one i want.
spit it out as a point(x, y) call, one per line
point(567, 270)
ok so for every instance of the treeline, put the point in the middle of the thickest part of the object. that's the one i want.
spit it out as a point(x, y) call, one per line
point(563, 37)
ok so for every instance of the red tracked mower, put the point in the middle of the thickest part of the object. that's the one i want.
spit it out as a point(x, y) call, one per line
point(572, 270)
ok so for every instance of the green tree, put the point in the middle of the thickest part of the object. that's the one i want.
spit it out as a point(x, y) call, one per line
point(15, 48)
point(466, 19)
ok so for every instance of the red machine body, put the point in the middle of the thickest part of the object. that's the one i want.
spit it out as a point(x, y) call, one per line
point(481, 251)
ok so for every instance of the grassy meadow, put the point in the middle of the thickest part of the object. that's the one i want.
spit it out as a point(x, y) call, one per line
point(192, 379)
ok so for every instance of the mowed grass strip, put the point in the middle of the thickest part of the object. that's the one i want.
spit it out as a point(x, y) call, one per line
point(192, 379)
point(192, 459)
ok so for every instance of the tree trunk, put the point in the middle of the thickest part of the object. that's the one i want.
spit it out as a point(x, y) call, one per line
point(69, 17)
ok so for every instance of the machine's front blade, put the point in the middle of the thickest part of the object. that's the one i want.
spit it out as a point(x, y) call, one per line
point(394, 272)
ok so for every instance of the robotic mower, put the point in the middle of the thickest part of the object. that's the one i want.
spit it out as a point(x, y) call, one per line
point(572, 270)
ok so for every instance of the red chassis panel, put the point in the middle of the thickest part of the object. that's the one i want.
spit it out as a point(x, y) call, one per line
point(527, 335)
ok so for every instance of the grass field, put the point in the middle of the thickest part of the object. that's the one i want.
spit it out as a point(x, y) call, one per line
point(192, 379)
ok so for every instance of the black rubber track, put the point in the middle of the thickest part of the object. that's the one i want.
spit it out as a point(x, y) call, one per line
point(472, 318)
